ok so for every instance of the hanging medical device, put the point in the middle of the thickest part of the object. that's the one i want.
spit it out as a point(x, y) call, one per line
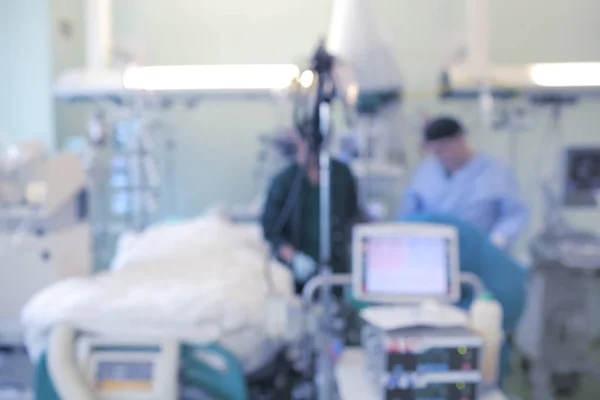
point(373, 145)
point(581, 176)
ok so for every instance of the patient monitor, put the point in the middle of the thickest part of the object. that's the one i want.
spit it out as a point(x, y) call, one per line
point(405, 263)
point(120, 369)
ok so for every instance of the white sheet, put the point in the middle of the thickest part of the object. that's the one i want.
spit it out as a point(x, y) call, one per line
point(198, 281)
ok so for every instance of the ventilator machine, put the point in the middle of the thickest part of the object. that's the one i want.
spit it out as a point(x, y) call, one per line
point(555, 332)
point(44, 237)
point(416, 344)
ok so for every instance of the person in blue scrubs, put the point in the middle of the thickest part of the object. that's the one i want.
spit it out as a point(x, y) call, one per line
point(474, 187)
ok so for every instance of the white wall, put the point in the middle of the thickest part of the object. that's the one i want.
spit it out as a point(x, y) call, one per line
point(521, 31)
point(217, 146)
point(25, 71)
point(4, 70)
point(217, 141)
point(68, 51)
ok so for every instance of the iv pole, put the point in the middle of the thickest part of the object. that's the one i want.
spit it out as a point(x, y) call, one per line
point(322, 65)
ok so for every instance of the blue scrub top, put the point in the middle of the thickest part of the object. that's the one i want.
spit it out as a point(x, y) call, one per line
point(484, 193)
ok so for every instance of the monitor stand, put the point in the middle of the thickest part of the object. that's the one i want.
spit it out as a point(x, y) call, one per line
point(427, 313)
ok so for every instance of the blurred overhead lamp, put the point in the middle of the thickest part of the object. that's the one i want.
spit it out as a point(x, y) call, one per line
point(210, 77)
point(559, 79)
point(307, 78)
point(546, 82)
point(566, 74)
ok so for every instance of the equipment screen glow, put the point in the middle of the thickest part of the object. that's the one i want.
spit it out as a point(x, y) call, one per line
point(406, 266)
point(124, 376)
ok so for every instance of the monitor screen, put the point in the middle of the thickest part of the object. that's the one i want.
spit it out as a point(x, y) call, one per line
point(582, 176)
point(397, 262)
point(125, 376)
point(408, 265)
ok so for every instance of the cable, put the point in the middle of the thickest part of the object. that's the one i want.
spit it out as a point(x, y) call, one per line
point(537, 170)
point(290, 201)
point(302, 120)
point(282, 219)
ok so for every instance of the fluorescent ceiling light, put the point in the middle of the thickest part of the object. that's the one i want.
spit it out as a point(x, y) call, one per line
point(210, 77)
point(535, 78)
point(566, 74)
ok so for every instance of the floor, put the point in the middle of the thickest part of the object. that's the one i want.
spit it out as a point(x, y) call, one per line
point(517, 385)
point(16, 371)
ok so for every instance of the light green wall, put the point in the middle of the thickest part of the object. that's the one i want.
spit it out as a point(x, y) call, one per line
point(68, 53)
point(217, 145)
point(521, 32)
point(26, 71)
point(217, 141)
point(4, 69)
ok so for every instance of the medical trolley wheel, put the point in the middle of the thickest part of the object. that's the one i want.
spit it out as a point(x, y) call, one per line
point(525, 365)
point(565, 384)
point(273, 382)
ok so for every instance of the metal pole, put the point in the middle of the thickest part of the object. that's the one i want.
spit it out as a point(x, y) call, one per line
point(324, 379)
point(308, 293)
point(323, 64)
point(325, 194)
point(98, 33)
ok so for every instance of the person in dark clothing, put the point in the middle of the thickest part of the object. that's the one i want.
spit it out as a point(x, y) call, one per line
point(291, 217)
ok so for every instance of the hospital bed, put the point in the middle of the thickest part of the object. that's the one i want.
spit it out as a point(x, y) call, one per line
point(199, 313)
point(79, 363)
point(91, 368)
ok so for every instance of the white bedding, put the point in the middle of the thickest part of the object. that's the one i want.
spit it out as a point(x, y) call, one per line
point(198, 281)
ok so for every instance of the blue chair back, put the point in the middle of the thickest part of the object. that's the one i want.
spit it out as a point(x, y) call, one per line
point(43, 386)
point(227, 384)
